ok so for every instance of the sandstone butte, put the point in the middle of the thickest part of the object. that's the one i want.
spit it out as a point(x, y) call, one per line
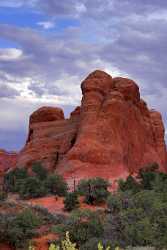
point(112, 134)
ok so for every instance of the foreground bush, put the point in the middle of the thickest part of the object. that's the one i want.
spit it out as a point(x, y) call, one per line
point(17, 230)
point(66, 244)
point(82, 225)
point(138, 217)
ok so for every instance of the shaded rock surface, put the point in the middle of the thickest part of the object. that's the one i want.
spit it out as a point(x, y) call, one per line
point(112, 133)
point(7, 160)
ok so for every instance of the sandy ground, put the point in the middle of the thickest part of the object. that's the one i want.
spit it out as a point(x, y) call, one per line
point(57, 206)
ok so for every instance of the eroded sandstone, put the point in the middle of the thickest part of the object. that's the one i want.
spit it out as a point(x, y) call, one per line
point(112, 133)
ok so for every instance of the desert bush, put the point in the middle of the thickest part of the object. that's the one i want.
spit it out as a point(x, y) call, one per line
point(66, 244)
point(114, 203)
point(39, 171)
point(96, 244)
point(32, 188)
point(130, 184)
point(141, 223)
point(48, 217)
point(3, 195)
point(38, 185)
point(82, 225)
point(14, 178)
point(18, 229)
point(55, 184)
point(94, 190)
point(71, 201)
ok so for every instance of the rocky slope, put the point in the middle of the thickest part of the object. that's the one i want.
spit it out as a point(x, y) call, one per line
point(112, 133)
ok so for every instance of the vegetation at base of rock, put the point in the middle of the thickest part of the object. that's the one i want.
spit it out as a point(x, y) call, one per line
point(55, 184)
point(94, 190)
point(71, 201)
point(148, 179)
point(39, 170)
point(39, 184)
point(14, 179)
point(32, 188)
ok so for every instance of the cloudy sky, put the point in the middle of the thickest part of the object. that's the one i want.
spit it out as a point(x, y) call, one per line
point(48, 46)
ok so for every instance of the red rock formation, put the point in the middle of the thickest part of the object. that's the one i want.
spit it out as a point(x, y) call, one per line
point(112, 134)
point(50, 137)
point(7, 161)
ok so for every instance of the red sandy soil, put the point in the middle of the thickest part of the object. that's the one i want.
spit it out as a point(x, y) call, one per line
point(51, 203)
point(57, 205)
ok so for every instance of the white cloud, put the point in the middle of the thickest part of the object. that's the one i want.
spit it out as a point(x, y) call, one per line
point(10, 54)
point(17, 3)
point(81, 8)
point(158, 15)
point(46, 24)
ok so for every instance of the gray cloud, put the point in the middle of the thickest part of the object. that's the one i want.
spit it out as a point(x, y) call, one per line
point(7, 91)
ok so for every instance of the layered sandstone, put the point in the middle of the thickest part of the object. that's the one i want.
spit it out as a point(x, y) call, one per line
point(112, 133)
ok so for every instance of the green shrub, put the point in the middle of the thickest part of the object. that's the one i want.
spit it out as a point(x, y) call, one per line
point(94, 190)
point(130, 184)
point(71, 201)
point(82, 225)
point(3, 195)
point(114, 203)
point(32, 188)
point(39, 185)
point(66, 244)
point(27, 219)
point(14, 178)
point(96, 244)
point(140, 223)
point(17, 230)
point(55, 184)
point(39, 170)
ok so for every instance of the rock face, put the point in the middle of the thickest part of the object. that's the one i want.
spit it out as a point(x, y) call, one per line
point(112, 134)
point(50, 137)
point(7, 161)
